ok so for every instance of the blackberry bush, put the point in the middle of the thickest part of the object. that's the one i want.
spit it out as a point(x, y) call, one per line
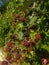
point(24, 32)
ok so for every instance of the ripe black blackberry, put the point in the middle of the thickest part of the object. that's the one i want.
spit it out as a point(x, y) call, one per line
point(27, 59)
point(26, 34)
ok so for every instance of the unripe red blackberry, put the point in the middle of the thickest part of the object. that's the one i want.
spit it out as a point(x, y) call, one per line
point(4, 63)
point(22, 19)
point(38, 36)
point(9, 44)
point(18, 56)
point(26, 43)
point(44, 61)
point(9, 58)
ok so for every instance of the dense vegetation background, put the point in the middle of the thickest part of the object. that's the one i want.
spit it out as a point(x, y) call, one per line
point(24, 21)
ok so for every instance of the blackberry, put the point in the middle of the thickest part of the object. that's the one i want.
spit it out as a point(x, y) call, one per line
point(26, 34)
point(26, 43)
point(27, 59)
point(9, 46)
point(18, 56)
point(38, 36)
point(44, 61)
point(4, 63)
point(9, 58)
point(22, 19)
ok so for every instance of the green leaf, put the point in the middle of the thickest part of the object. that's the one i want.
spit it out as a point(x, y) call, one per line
point(21, 1)
point(32, 33)
point(33, 20)
point(20, 35)
point(45, 47)
point(25, 63)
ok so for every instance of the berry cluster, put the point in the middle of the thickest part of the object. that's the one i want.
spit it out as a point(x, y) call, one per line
point(17, 18)
point(4, 63)
point(12, 52)
point(29, 43)
point(19, 55)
